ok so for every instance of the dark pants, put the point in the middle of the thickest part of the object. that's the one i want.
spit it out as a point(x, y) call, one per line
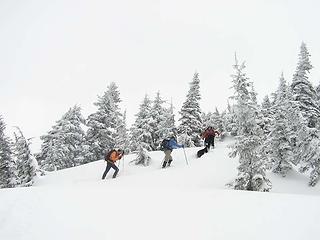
point(209, 141)
point(110, 165)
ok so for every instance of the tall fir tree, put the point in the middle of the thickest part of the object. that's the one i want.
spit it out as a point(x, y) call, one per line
point(190, 121)
point(265, 115)
point(141, 131)
point(309, 153)
point(230, 121)
point(252, 168)
point(303, 91)
point(122, 138)
point(118, 120)
point(27, 165)
point(318, 94)
point(104, 124)
point(167, 125)
point(279, 142)
point(8, 167)
point(64, 145)
point(158, 116)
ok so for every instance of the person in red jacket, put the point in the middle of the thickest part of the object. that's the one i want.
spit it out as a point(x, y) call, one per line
point(208, 135)
point(111, 158)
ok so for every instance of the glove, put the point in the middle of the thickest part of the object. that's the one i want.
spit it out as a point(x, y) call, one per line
point(182, 145)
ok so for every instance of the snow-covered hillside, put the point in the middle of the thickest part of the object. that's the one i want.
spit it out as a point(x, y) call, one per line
point(180, 202)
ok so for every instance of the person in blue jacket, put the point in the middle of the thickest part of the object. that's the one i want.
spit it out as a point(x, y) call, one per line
point(167, 149)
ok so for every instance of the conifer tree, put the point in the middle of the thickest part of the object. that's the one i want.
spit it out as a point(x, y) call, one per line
point(143, 157)
point(63, 146)
point(306, 142)
point(303, 90)
point(158, 116)
point(141, 131)
point(279, 142)
point(167, 125)
point(252, 168)
point(27, 165)
point(104, 123)
point(8, 168)
point(318, 94)
point(218, 122)
point(265, 116)
point(118, 120)
point(122, 138)
point(230, 119)
point(309, 153)
point(190, 121)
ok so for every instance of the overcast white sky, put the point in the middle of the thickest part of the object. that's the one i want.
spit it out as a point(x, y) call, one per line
point(55, 54)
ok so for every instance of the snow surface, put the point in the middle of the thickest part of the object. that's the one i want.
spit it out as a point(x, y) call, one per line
point(180, 202)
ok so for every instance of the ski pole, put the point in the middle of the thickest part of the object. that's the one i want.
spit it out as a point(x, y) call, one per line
point(123, 164)
point(185, 156)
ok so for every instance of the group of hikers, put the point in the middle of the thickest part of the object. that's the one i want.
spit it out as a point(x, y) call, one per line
point(167, 146)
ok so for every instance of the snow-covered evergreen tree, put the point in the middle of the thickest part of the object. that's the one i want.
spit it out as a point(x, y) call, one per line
point(252, 168)
point(167, 125)
point(279, 142)
point(118, 120)
point(306, 142)
point(104, 123)
point(158, 116)
point(230, 121)
point(8, 168)
point(318, 94)
point(265, 115)
point(27, 165)
point(309, 153)
point(122, 138)
point(141, 131)
point(63, 146)
point(303, 90)
point(143, 157)
point(190, 121)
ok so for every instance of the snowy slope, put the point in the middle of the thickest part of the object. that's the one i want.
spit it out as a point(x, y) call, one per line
point(180, 202)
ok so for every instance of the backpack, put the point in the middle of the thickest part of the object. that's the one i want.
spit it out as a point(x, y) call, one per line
point(164, 144)
point(109, 154)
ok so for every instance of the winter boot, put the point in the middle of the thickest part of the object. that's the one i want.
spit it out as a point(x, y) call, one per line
point(164, 164)
point(169, 163)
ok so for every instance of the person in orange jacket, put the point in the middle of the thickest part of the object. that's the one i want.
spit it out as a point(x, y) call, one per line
point(111, 157)
point(208, 135)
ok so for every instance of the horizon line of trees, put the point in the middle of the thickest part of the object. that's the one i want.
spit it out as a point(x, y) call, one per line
point(276, 135)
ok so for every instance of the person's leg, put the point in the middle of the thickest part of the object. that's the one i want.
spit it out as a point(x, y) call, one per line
point(116, 170)
point(167, 157)
point(106, 171)
point(170, 159)
point(212, 142)
point(207, 143)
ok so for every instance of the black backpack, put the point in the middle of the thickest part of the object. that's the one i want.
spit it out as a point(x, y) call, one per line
point(164, 144)
point(109, 154)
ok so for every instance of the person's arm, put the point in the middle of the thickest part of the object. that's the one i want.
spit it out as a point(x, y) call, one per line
point(176, 145)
